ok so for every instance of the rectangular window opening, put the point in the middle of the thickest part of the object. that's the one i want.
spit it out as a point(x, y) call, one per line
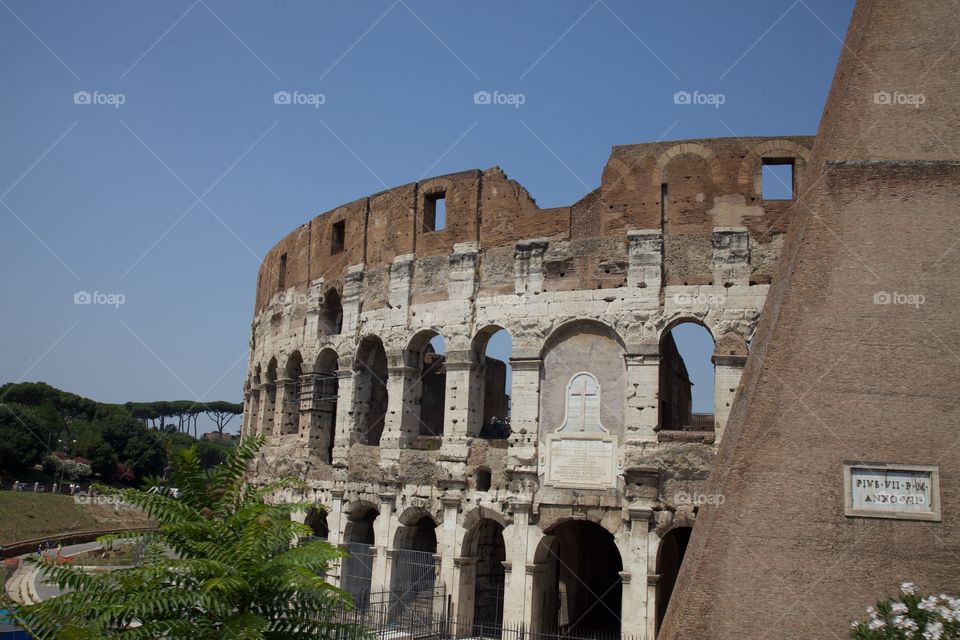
point(777, 180)
point(282, 275)
point(435, 212)
point(338, 237)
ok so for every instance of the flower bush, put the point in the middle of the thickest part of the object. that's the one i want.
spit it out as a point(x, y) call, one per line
point(910, 617)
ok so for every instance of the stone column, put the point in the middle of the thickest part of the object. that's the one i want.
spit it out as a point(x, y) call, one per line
point(283, 422)
point(383, 561)
point(528, 266)
point(643, 386)
point(346, 418)
point(463, 595)
point(251, 412)
point(518, 582)
point(727, 373)
point(447, 544)
point(731, 256)
point(402, 421)
point(461, 404)
point(336, 523)
point(352, 300)
point(525, 413)
point(267, 410)
point(645, 251)
point(633, 544)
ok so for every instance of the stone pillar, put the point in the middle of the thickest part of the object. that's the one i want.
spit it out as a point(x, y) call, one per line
point(285, 413)
point(528, 266)
point(447, 544)
point(352, 301)
point(633, 544)
point(653, 581)
point(462, 281)
point(463, 594)
point(525, 414)
point(267, 412)
point(401, 280)
point(517, 581)
point(336, 524)
point(346, 432)
point(402, 421)
point(383, 561)
point(731, 256)
point(645, 251)
point(727, 373)
point(251, 413)
point(643, 386)
point(462, 402)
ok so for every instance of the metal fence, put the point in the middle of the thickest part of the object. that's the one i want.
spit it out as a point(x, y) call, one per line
point(380, 618)
point(356, 571)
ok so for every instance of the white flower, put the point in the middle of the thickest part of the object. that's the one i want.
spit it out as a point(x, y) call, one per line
point(876, 624)
point(908, 588)
point(899, 608)
point(933, 631)
point(928, 604)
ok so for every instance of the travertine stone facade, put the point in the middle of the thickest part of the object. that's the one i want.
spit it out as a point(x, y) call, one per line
point(592, 288)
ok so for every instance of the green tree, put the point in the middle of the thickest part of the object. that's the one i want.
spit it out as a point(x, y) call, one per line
point(25, 436)
point(237, 569)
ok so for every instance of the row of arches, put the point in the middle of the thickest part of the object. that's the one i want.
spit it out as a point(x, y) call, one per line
point(578, 586)
point(419, 374)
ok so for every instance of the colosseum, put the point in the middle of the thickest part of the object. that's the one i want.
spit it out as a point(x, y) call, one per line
point(560, 497)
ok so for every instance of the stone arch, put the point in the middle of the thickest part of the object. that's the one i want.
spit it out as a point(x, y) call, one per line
point(675, 411)
point(359, 538)
point(473, 517)
point(580, 580)
point(326, 394)
point(671, 550)
point(268, 400)
point(316, 519)
point(622, 173)
point(330, 319)
point(769, 149)
point(483, 576)
point(490, 418)
point(289, 394)
point(687, 148)
point(370, 392)
point(426, 399)
point(574, 347)
point(413, 514)
point(434, 186)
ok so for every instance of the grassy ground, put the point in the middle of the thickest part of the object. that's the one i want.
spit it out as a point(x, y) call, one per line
point(27, 515)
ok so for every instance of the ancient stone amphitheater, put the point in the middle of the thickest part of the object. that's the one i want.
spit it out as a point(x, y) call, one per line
point(559, 496)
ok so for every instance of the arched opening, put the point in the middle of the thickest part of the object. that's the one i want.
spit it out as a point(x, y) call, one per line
point(370, 404)
point(581, 588)
point(357, 568)
point(317, 521)
point(290, 390)
point(326, 388)
point(485, 544)
point(492, 380)
point(673, 547)
point(414, 569)
point(686, 378)
point(330, 321)
point(270, 399)
point(428, 395)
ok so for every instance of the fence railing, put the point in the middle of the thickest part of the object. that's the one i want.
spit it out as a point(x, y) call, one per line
point(378, 616)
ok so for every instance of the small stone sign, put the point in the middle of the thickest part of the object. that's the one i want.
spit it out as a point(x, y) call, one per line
point(910, 492)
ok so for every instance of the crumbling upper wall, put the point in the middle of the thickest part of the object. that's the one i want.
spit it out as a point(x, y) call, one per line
point(708, 184)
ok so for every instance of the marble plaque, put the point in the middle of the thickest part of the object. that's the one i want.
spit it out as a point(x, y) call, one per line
point(575, 461)
point(910, 492)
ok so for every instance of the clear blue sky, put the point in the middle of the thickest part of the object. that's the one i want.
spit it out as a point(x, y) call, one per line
point(171, 198)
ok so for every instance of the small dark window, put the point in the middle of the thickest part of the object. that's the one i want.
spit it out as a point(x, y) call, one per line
point(483, 479)
point(282, 276)
point(338, 237)
point(777, 179)
point(435, 212)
